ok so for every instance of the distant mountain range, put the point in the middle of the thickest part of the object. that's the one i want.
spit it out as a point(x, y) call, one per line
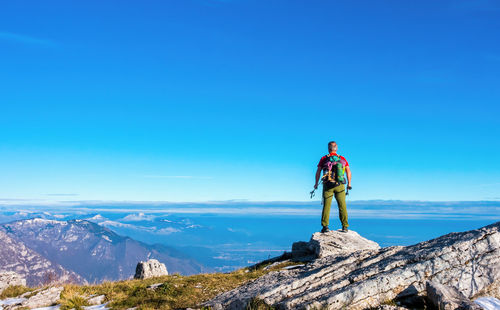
point(35, 268)
point(79, 251)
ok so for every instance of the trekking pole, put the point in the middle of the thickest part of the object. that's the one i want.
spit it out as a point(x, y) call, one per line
point(312, 193)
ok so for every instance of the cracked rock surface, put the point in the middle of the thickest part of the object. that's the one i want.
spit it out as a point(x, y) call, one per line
point(9, 278)
point(448, 298)
point(41, 298)
point(369, 277)
point(149, 269)
point(332, 243)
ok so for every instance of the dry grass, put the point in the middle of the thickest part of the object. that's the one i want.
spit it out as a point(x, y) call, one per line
point(175, 292)
point(14, 291)
point(492, 290)
point(72, 299)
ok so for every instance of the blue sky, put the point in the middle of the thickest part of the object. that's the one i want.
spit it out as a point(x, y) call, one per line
point(201, 100)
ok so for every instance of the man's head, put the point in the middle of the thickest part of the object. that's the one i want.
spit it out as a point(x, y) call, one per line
point(332, 147)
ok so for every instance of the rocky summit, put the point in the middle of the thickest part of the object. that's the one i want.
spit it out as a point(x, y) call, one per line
point(333, 243)
point(349, 271)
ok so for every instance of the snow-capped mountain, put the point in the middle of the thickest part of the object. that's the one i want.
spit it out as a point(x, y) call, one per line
point(94, 252)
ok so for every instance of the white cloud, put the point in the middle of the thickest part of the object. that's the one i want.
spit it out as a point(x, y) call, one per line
point(118, 224)
point(150, 229)
point(138, 217)
point(167, 231)
point(147, 211)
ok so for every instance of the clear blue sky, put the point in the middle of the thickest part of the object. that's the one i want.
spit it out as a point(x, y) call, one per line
point(196, 100)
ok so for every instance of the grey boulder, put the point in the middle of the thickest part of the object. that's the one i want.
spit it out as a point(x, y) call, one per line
point(448, 298)
point(149, 269)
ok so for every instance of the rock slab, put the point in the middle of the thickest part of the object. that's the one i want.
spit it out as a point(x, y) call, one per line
point(332, 243)
point(41, 298)
point(96, 300)
point(149, 269)
point(468, 261)
point(10, 278)
point(445, 297)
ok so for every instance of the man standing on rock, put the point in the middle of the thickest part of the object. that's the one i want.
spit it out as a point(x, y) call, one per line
point(334, 168)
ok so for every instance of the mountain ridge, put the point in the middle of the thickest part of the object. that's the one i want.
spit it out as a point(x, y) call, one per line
point(92, 251)
point(33, 266)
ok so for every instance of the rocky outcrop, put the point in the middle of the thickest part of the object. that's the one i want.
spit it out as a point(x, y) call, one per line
point(445, 297)
point(10, 278)
point(96, 300)
point(151, 268)
point(369, 277)
point(333, 243)
point(40, 298)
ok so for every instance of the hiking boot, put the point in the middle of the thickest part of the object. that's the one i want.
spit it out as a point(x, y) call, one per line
point(325, 229)
point(344, 229)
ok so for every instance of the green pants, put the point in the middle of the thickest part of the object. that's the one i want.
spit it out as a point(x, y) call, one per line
point(328, 192)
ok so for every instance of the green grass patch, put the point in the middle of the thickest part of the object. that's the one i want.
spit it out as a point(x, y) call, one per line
point(175, 292)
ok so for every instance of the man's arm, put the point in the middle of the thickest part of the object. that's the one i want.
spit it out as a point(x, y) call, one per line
point(348, 172)
point(318, 175)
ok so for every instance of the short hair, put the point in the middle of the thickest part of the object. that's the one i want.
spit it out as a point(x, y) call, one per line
point(330, 143)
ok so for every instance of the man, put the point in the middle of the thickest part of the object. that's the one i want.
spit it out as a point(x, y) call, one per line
point(333, 167)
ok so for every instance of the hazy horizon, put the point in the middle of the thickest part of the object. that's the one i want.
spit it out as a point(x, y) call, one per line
point(230, 235)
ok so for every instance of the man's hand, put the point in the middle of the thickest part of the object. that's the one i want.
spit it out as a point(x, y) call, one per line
point(316, 186)
point(349, 187)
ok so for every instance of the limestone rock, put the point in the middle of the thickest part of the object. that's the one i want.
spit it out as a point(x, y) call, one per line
point(468, 261)
point(96, 300)
point(332, 243)
point(10, 278)
point(492, 290)
point(43, 298)
point(390, 307)
point(448, 298)
point(9, 303)
point(149, 269)
point(154, 286)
